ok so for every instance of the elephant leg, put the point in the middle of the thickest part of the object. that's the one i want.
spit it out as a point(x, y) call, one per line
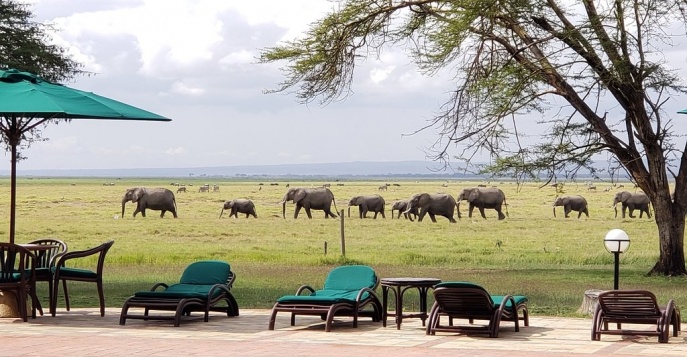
point(307, 211)
point(162, 214)
point(432, 217)
point(472, 207)
point(298, 209)
point(501, 215)
point(375, 217)
point(421, 216)
point(631, 212)
point(567, 212)
point(143, 212)
point(383, 216)
point(481, 211)
point(174, 213)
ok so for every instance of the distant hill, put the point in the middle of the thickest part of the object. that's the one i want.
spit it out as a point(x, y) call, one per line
point(419, 169)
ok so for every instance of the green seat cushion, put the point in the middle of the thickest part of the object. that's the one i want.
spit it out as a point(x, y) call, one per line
point(206, 272)
point(324, 297)
point(17, 276)
point(77, 273)
point(180, 291)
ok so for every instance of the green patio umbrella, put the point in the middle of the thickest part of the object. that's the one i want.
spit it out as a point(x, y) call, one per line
point(28, 101)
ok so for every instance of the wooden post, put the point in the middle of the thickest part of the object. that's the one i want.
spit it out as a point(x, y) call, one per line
point(343, 235)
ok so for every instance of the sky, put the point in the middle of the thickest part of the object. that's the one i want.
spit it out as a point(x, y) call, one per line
point(195, 61)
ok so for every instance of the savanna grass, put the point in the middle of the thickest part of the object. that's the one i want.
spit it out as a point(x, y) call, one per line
point(551, 260)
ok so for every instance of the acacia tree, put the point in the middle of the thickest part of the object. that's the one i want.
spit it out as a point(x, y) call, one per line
point(514, 58)
point(25, 45)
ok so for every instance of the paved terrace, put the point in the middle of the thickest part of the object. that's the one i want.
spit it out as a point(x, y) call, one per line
point(82, 332)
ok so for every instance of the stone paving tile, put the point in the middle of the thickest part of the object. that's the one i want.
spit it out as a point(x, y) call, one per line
point(82, 332)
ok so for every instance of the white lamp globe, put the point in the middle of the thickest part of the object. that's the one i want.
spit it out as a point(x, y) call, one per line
point(617, 241)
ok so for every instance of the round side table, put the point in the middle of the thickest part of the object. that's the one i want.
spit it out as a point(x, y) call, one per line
point(399, 286)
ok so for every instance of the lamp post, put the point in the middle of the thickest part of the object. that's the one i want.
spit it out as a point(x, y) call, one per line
point(616, 242)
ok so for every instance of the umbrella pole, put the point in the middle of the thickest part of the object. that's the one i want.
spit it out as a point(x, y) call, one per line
point(13, 190)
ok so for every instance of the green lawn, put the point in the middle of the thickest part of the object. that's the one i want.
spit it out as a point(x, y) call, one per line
point(551, 260)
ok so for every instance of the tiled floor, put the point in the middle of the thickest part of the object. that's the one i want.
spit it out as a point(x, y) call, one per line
point(82, 332)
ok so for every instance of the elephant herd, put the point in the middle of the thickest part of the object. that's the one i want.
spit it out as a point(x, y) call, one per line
point(628, 201)
point(418, 206)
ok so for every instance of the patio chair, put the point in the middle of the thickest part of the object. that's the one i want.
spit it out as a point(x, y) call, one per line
point(203, 286)
point(470, 301)
point(17, 275)
point(45, 260)
point(61, 272)
point(347, 291)
point(634, 307)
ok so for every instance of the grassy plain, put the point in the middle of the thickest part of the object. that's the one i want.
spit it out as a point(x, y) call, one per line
point(551, 260)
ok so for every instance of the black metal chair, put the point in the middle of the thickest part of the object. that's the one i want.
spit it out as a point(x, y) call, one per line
point(17, 275)
point(64, 273)
point(45, 261)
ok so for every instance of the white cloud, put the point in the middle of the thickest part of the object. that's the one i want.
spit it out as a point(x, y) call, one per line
point(378, 75)
point(179, 87)
point(237, 58)
point(176, 151)
point(68, 144)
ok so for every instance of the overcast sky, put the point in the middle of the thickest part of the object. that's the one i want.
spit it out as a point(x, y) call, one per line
point(194, 61)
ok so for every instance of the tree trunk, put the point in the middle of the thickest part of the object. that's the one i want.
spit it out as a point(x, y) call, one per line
point(671, 234)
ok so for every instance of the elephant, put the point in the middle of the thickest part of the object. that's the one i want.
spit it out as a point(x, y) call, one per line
point(632, 201)
point(239, 205)
point(482, 198)
point(571, 203)
point(319, 198)
point(374, 203)
point(402, 206)
point(440, 204)
point(159, 199)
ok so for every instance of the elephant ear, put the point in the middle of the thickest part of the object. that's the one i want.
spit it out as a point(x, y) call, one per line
point(473, 195)
point(624, 196)
point(136, 194)
point(300, 194)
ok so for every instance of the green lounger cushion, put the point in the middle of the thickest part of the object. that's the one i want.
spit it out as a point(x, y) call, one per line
point(342, 285)
point(206, 272)
point(324, 297)
point(351, 277)
point(196, 281)
point(496, 299)
point(180, 291)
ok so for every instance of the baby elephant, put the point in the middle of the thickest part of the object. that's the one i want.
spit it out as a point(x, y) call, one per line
point(571, 203)
point(239, 205)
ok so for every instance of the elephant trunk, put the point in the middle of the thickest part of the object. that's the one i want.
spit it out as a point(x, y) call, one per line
point(220, 213)
point(283, 209)
point(349, 211)
point(124, 201)
point(458, 206)
point(615, 208)
point(554, 211)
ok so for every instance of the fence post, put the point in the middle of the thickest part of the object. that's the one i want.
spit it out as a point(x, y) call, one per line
point(343, 235)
